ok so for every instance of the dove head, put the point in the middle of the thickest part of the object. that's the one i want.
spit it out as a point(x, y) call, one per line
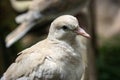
point(66, 27)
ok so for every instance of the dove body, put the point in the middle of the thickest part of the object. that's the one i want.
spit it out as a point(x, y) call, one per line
point(58, 57)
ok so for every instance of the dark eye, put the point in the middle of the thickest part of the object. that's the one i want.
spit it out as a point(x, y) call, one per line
point(64, 27)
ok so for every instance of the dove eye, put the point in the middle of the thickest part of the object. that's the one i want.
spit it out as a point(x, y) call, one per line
point(64, 27)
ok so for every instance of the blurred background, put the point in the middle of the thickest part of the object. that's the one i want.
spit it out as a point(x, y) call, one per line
point(100, 18)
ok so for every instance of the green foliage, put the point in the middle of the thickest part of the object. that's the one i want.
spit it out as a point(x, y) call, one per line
point(108, 61)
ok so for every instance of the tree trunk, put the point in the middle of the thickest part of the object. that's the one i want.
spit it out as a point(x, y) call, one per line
point(92, 46)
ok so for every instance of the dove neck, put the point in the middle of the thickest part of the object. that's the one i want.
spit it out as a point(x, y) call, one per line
point(69, 41)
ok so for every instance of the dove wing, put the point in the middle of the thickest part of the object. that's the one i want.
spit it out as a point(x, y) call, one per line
point(26, 62)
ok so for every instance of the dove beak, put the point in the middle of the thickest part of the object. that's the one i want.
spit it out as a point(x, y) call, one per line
point(82, 32)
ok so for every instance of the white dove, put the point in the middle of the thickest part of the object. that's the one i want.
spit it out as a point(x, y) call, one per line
point(58, 57)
